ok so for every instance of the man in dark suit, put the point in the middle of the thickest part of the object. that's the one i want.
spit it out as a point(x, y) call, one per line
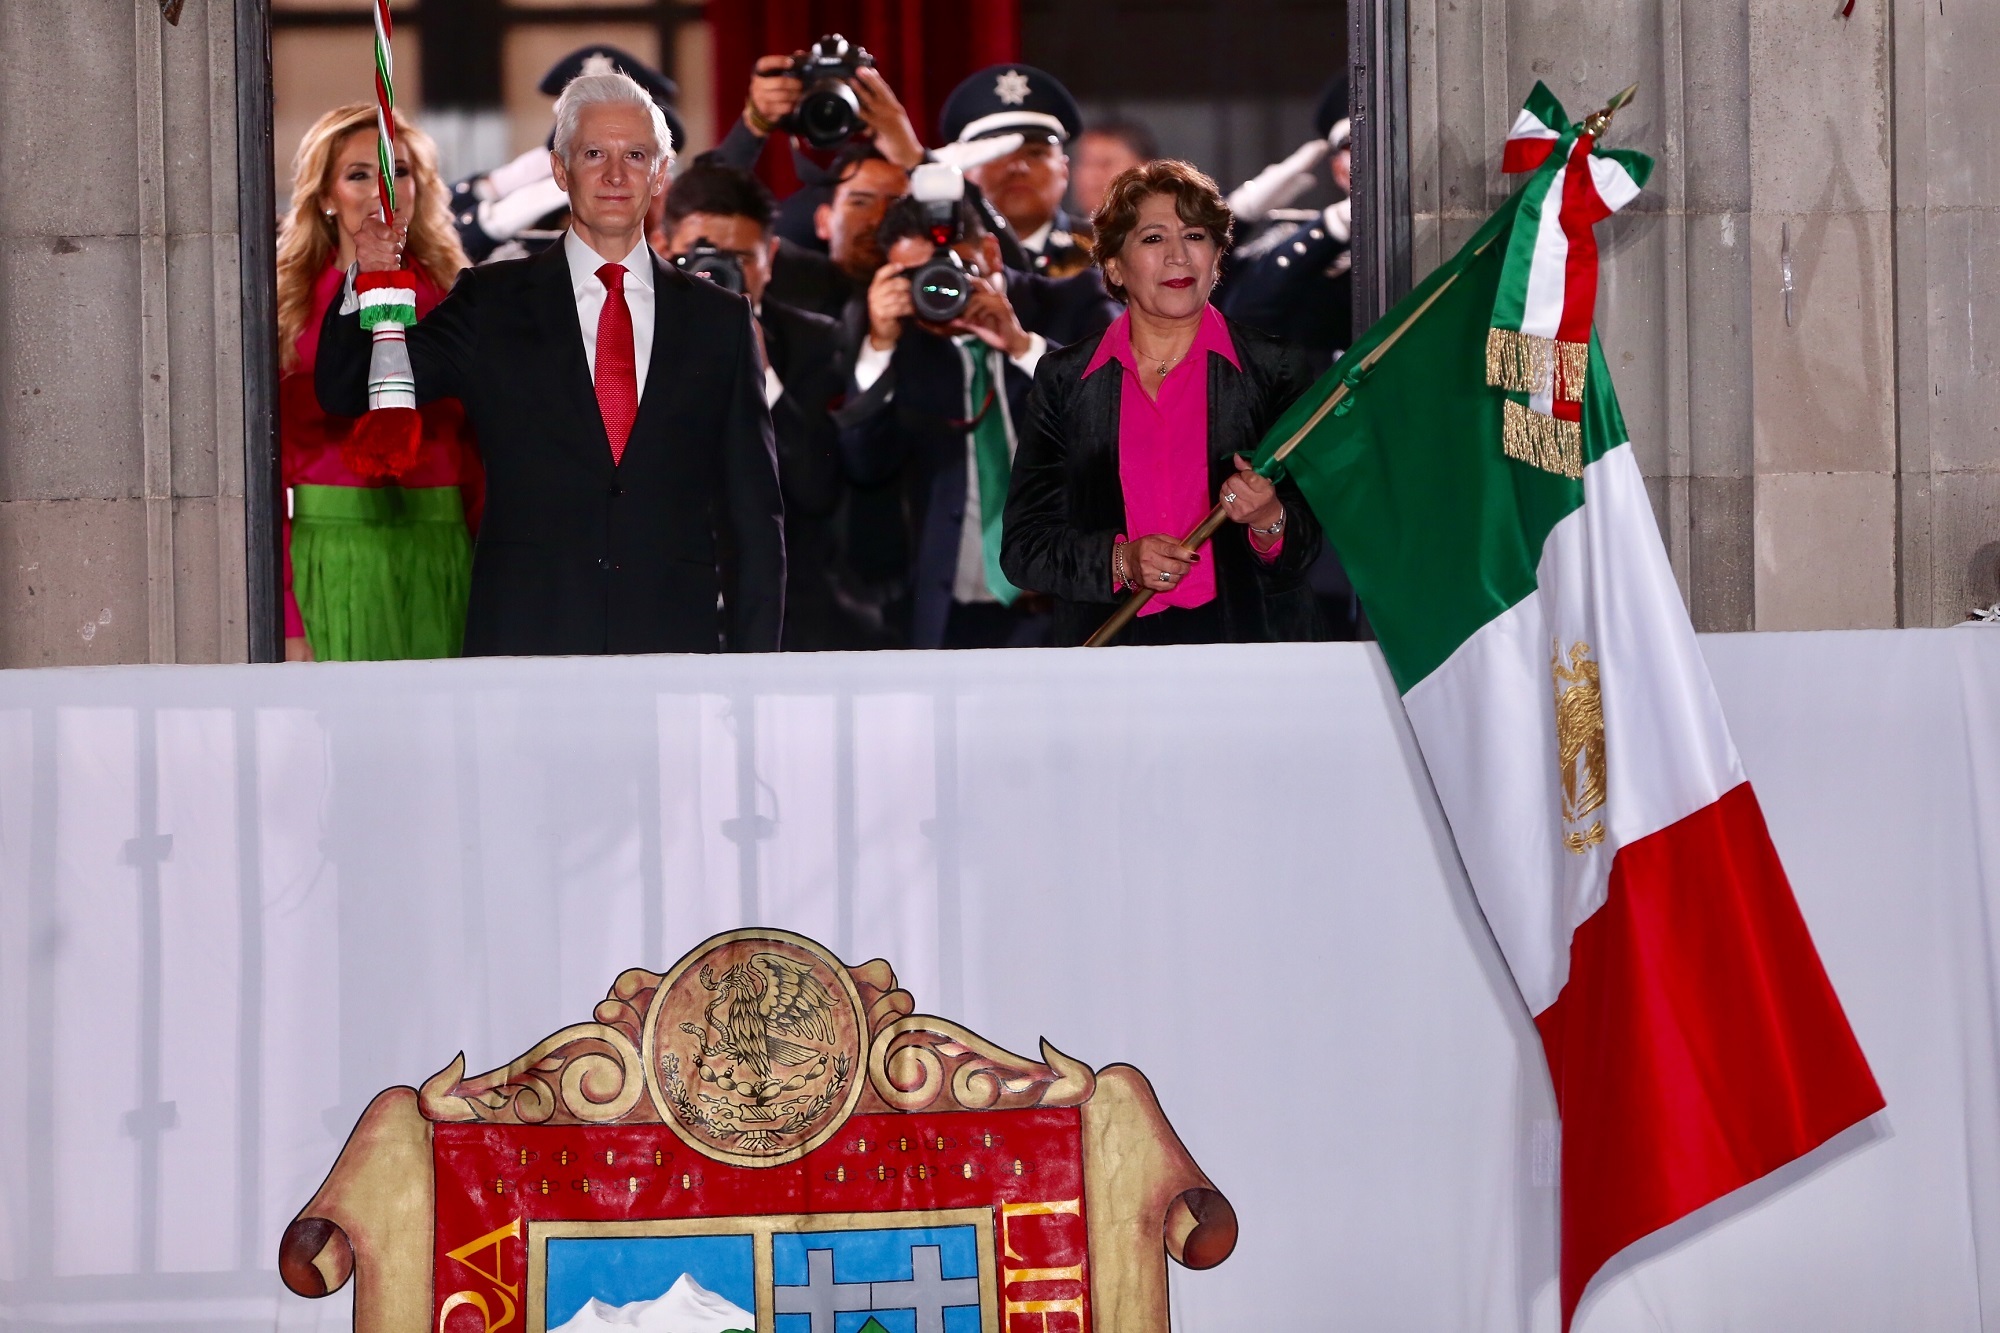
point(728, 213)
point(933, 411)
point(620, 411)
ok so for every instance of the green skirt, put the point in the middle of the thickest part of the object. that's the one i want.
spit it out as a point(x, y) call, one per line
point(381, 572)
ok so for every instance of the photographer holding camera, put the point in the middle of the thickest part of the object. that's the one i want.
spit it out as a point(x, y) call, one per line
point(717, 225)
point(824, 99)
point(939, 381)
point(865, 184)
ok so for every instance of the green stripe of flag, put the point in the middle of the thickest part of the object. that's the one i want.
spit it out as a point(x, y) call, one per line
point(1439, 531)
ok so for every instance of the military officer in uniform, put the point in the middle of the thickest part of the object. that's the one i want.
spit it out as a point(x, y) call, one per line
point(1025, 186)
point(1291, 277)
point(517, 210)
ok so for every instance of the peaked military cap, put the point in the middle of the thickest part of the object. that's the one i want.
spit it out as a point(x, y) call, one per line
point(1332, 108)
point(603, 58)
point(1010, 99)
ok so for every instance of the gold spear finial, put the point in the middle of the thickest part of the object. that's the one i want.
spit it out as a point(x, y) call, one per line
point(1598, 121)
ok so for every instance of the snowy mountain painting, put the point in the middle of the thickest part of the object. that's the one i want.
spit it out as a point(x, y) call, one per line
point(687, 1307)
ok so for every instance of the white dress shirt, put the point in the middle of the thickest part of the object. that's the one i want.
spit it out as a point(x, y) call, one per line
point(590, 293)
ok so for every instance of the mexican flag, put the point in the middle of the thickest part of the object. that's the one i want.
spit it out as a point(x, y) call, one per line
point(1508, 557)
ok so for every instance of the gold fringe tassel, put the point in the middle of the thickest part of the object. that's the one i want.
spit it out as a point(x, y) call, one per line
point(1572, 361)
point(1546, 442)
point(1518, 362)
point(1525, 363)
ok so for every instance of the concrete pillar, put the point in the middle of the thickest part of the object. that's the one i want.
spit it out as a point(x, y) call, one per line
point(1806, 473)
point(1824, 393)
point(121, 417)
point(1947, 235)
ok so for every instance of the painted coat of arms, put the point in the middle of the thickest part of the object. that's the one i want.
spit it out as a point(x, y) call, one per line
point(762, 1140)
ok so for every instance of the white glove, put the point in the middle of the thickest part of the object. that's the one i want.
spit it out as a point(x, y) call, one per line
point(508, 216)
point(526, 169)
point(1278, 184)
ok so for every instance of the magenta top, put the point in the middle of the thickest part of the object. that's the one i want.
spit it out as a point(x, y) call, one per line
point(1163, 449)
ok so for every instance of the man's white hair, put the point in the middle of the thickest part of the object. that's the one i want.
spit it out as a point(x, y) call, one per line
point(613, 89)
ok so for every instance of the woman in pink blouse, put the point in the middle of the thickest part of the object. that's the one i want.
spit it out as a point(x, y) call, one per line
point(1133, 436)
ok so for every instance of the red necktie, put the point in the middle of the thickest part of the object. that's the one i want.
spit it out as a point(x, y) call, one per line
point(617, 370)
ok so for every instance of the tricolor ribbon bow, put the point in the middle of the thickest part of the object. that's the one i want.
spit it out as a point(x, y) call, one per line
point(1538, 348)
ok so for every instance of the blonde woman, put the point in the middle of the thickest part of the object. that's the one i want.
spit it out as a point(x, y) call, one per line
point(377, 563)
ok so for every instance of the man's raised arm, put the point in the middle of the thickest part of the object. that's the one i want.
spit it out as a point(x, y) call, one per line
point(440, 345)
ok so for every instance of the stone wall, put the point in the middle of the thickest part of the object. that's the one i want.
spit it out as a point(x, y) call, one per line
point(121, 414)
point(1794, 308)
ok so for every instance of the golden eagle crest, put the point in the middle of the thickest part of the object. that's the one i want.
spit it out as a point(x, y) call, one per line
point(1579, 742)
point(763, 1044)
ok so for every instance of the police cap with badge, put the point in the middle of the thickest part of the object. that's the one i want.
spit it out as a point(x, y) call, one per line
point(517, 210)
point(1017, 100)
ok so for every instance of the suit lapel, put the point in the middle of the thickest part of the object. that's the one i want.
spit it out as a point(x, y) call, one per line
point(558, 320)
point(672, 355)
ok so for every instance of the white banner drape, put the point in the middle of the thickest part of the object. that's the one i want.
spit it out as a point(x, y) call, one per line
point(237, 902)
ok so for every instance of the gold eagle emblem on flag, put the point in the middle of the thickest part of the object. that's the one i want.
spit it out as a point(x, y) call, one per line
point(1579, 742)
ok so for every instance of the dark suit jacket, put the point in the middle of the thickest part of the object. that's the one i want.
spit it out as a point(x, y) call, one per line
point(909, 428)
point(1063, 310)
point(811, 359)
point(1066, 505)
point(576, 554)
point(810, 280)
point(1299, 288)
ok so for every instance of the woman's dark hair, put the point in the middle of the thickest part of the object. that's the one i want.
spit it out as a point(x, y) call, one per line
point(1196, 200)
point(906, 217)
point(711, 186)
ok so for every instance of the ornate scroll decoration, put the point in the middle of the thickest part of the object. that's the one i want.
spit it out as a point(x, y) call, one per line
point(587, 1074)
point(1579, 743)
point(921, 1063)
point(752, 1050)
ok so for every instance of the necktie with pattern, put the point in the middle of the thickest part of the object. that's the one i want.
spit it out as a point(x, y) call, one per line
point(617, 368)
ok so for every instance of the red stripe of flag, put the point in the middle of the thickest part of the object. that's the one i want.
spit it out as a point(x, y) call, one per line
point(1697, 1044)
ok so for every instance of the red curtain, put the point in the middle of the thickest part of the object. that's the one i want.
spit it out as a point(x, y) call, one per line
point(923, 47)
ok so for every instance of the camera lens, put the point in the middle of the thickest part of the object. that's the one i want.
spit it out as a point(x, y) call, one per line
point(940, 289)
point(828, 113)
point(719, 267)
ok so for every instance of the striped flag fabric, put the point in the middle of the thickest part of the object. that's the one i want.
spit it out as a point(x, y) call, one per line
point(1528, 615)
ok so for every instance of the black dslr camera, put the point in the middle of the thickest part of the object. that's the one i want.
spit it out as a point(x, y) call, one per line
point(941, 286)
point(828, 112)
point(707, 260)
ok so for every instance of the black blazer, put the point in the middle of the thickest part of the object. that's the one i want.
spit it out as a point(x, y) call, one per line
point(811, 359)
point(909, 430)
point(809, 280)
point(576, 554)
point(1066, 504)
